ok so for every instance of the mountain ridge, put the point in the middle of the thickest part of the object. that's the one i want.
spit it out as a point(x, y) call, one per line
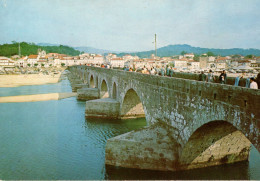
point(169, 50)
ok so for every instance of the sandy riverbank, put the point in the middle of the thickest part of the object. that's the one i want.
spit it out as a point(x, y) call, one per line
point(37, 97)
point(28, 79)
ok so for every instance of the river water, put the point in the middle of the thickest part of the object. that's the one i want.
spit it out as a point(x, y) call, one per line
point(52, 140)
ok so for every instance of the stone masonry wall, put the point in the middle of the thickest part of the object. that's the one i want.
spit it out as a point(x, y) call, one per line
point(186, 104)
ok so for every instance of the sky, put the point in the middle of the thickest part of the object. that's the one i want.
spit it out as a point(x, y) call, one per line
point(130, 25)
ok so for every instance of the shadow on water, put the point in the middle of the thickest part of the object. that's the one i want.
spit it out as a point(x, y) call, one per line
point(237, 171)
point(108, 128)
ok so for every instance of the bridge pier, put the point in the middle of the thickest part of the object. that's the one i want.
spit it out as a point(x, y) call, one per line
point(102, 108)
point(155, 148)
point(151, 148)
point(75, 87)
point(86, 94)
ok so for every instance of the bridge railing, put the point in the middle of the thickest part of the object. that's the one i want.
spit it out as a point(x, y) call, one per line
point(245, 98)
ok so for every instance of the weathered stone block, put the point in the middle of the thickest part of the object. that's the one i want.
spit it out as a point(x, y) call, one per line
point(102, 108)
point(75, 87)
point(87, 94)
point(148, 148)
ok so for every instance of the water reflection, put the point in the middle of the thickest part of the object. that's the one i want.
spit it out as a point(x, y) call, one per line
point(226, 172)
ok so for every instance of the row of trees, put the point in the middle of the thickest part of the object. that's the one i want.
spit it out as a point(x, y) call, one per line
point(31, 48)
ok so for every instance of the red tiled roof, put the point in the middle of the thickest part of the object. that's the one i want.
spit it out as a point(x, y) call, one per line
point(117, 58)
point(33, 56)
point(221, 58)
point(98, 56)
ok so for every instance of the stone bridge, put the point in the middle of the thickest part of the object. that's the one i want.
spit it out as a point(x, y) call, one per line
point(190, 124)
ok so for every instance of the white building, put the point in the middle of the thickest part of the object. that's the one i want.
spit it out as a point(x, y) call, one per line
point(22, 62)
point(180, 63)
point(6, 62)
point(32, 59)
point(84, 56)
point(211, 59)
point(117, 62)
point(128, 57)
point(221, 65)
point(190, 56)
point(99, 59)
point(110, 56)
point(194, 65)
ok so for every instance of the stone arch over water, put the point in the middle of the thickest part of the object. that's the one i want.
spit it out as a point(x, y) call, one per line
point(104, 93)
point(214, 143)
point(132, 105)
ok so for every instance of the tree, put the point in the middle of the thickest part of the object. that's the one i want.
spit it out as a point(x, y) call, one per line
point(50, 65)
point(249, 56)
point(36, 64)
point(196, 57)
point(183, 53)
point(42, 64)
point(62, 64)
point(28, 64)
point(210, 54)
point(31, 48)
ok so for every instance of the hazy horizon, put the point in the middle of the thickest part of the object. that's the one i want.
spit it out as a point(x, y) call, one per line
point(129, 26)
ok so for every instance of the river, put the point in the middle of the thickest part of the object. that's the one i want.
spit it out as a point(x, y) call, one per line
point(52, 140)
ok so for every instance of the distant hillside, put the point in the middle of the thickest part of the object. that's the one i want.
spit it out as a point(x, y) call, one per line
point(171, 50)
point(47, 44)
point(94, 50)
point(31, 48)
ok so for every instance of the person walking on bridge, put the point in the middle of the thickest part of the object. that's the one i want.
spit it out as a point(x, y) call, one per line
point(253, 84)
point(223, 77)
point(210, 77)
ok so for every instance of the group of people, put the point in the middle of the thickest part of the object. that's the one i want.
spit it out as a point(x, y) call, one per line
point(210, 77)
point(163, 71)
point(253, 83)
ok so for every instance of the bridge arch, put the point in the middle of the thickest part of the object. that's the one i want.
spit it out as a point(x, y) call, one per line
point(91, 82)
point(214, 143)
point(114, 91)
point(131, 106)
point(104, 93)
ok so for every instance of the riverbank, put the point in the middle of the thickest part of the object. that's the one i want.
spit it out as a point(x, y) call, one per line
point(37, 97)
point(28, 79)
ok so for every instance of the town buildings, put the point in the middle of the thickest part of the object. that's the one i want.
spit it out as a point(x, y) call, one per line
point(188, 62)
